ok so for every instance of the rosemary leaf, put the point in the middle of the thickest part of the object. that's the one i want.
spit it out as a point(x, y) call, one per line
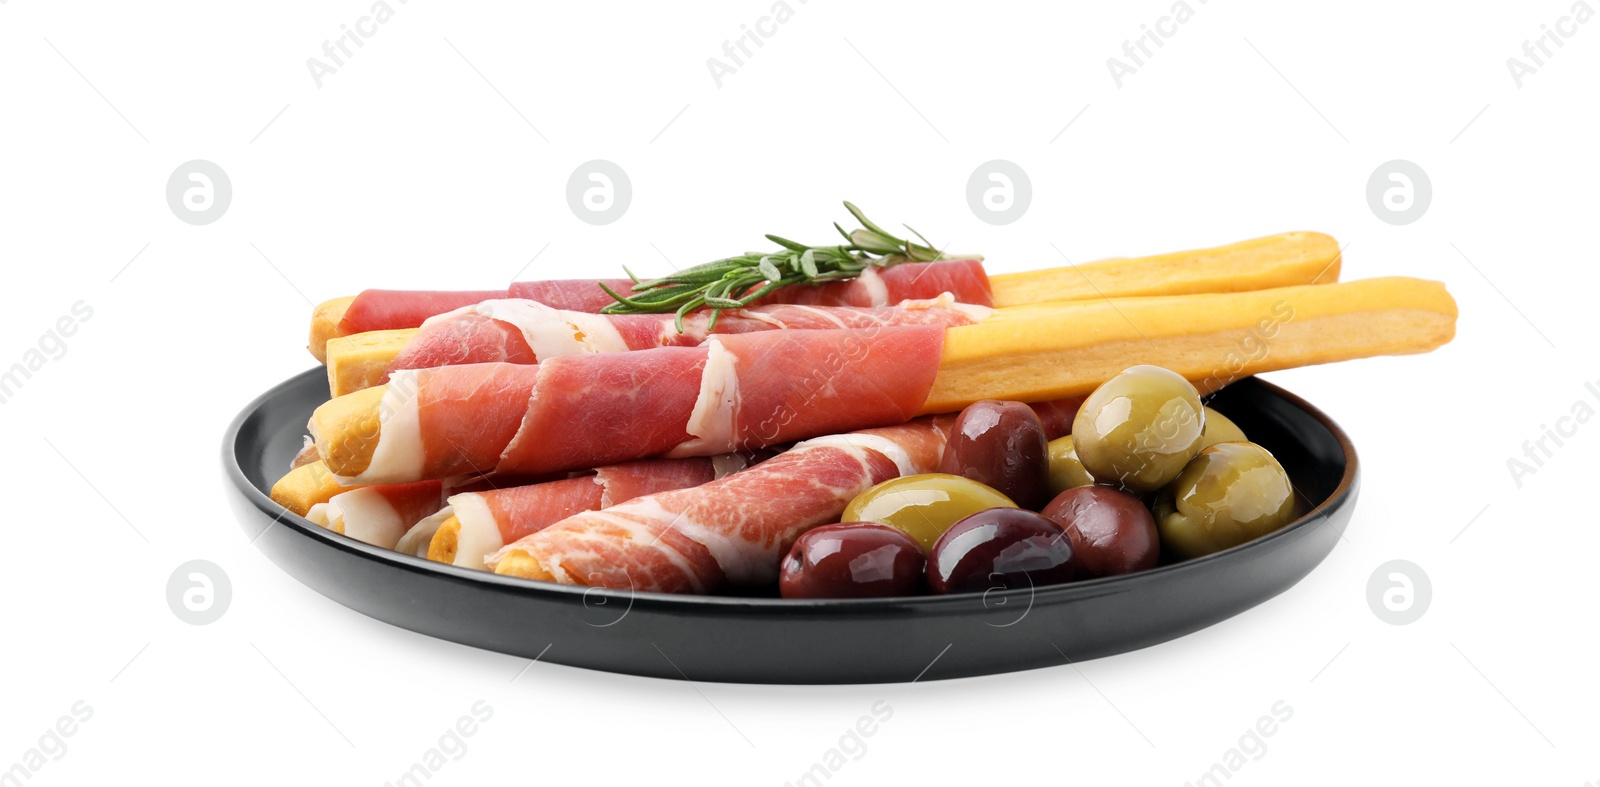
point(736, 282)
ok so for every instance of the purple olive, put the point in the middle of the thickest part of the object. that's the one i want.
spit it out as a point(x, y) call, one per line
point(1112, 532)
point(1002, 445)
point(1000, 548)
point(852, 560)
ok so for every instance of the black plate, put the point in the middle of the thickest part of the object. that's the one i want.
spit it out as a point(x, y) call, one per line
point(771, 640)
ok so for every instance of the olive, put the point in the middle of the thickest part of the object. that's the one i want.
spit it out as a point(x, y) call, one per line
point(1229, 494)
point(1139, 428)
point(924, 506)
point(1000, 548)
point(1002, 445)
point(1066, 471)
point(1110, 530)
point(1220, 430)
point(852, 560)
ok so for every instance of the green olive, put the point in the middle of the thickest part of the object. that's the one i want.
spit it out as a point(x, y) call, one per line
point(1066, 471)
point(1230, 494)
point(924, 506)
point(1140, 428)
point(1220, 430)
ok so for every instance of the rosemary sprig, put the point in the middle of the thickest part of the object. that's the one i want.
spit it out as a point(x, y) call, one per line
point(736, 282)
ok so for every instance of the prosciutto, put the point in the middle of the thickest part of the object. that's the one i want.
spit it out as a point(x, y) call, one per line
point(1056, 415)
point(525, 331)
point(383, 514)
point(731, 531)
point(965, 279)
point(736, 392)
point(375, 310)
point(489, 519)
point(379, 515)
point(382, 310)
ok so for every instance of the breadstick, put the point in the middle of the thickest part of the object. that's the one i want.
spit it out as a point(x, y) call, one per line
point(1284, 260)
point(1045, 352)
point(1050, 352)
point(1273, 261)
point(362, 360)
point(306, 486)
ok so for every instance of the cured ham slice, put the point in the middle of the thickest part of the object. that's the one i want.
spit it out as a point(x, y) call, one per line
point(476, 524)
point(760, 389)
point(525, 331)
point(964, 279)
point(579, 295)
point(377, 310)
point(1057, 415)
point(383, 310)
point(730, 531)
point(379, 515)
point(592, 410)
point(736, 392)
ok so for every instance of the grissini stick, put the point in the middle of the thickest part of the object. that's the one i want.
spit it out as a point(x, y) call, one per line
point(379, 515)
point(1280, 260)
point(306, 486)
point(749, 390)
point(1212, 339)
point(394, 309)
point(477, 524)
point(524, 331)
point(476, 333)
point(728, 531)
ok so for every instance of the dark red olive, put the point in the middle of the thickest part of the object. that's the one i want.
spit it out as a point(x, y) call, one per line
point(852, 560)
point(1002, 445)
point(1112, 532)
point(1000, 548)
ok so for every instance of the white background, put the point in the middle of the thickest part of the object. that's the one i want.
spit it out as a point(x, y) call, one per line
point(423, 162)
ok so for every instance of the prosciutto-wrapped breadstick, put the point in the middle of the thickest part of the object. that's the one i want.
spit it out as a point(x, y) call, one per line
point(378, 310)
point(523, 331)
point(307, 484)
point(728, 531)
point(379, 515)
point(1283, 260)
point(736, 392)
point(475, 524)
point(745, 391)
